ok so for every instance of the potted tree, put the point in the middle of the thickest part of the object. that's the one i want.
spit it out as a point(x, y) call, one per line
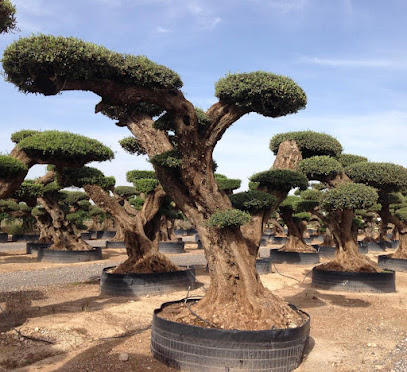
point(236, 299)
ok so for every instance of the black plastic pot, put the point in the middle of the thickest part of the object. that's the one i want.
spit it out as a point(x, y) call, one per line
point(86, 235)
point(196, 349)
point(297, 258)
point(24, 237)
point(325, 251)
point(263, 266)
point(363, 247)
point(191, 232)
point(3, 237)
point(180, 232)
point(171, 247)
point(65, 256)
point(396, 264)
point(279, 240)
point(101, 234)
point(383, 282)
point(110, 244)
point(29, 247)
point(133, 285)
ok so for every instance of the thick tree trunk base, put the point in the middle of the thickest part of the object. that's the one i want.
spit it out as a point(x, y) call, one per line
point(267, 312)
point(295, 244)
point(71, 245)
point(151, 263)
point(401, 251)
point(353, 262)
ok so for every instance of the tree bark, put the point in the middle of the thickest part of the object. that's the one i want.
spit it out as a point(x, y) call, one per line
point(140, 231)
point(64, 236)
point(119, 236)
point(347, 257)
point(328, 238)
point(370, 230)
point(295, 240)
point(46, 228)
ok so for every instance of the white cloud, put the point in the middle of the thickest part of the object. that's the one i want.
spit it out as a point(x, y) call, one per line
point(284, 6)
point(162, 30)
point(355, 63)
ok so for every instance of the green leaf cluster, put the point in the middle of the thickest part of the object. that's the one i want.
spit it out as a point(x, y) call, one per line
point(252, 201)
point(262, 92)
point(29, 189)
point(122, 112)
point(349, 196)
point(34, 63)
point(73, 197)
point(80, 177)
point(168, 159)
point(145, 185)
point(227, 183)
point(78, 218)
point(310, 143)
point(303, 216)
point(320, 167)
point(402, 214)
point(8, 205)
point(39, 211)
point(17, 137)
point(137, 203)
point(349, 159)
point(280, 180)
point(53, 145)
point(133, 175)
point(125, 191)
point(11, 168)
point(132, 146)
point(7, 16)
point(387, 177)
point(228, 218)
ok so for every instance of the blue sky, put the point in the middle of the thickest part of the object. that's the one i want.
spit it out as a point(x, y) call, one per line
point(349, 56)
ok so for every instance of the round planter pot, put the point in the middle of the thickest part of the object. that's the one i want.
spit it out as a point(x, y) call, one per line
point(180, 232)
point(86, 235)
point(263, 266)
point(114, 244)
point(196, 349)
point(396, 264)
point(279, 240)
point(297, 258)
point(59, 256)
point(384, 282)
point(3, 237)
point(34, 246)
point(325, 251)
point(101, 234)
point(133, 285)
point(363, 247)
point(24, 238)
point(171, 247)
point(190, 232)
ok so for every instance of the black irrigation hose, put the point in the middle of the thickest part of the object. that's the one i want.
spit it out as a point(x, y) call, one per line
point(20, 334)
point(290, 277)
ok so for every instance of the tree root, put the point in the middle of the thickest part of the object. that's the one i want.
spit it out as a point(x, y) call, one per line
point(151, 263)
point(268, 312)
point(350, 262)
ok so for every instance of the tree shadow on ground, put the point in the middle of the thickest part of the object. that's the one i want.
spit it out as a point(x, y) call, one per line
point(311, 298)
point(18, 306)
point(19, 258)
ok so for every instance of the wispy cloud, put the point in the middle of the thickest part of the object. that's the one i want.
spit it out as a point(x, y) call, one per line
point(162, 30)
point(284, 6)
point(355, 63)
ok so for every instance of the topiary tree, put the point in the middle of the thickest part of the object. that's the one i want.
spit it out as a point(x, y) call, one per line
point(180, 149)
point(140, 227)
point(62, 149)
point(389, 179)
point(7, 17)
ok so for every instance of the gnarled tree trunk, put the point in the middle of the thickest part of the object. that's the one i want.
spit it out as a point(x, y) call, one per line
point(295, 239)
point(370, 229)
point(140, 231)
point(64, 236)
point(328, 238)
point(347, 257)
point(46, 228)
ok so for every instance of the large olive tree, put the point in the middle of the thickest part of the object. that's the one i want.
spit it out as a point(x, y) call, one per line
point(388, 179)
point(180, 145)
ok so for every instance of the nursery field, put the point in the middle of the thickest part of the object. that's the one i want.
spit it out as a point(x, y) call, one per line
point(90, 332)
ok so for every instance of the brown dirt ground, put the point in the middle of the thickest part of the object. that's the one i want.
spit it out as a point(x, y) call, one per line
point(349, 331)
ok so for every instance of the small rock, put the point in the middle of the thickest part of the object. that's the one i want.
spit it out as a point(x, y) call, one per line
point(22, 339)
point(36, 329)
point(124, 357)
